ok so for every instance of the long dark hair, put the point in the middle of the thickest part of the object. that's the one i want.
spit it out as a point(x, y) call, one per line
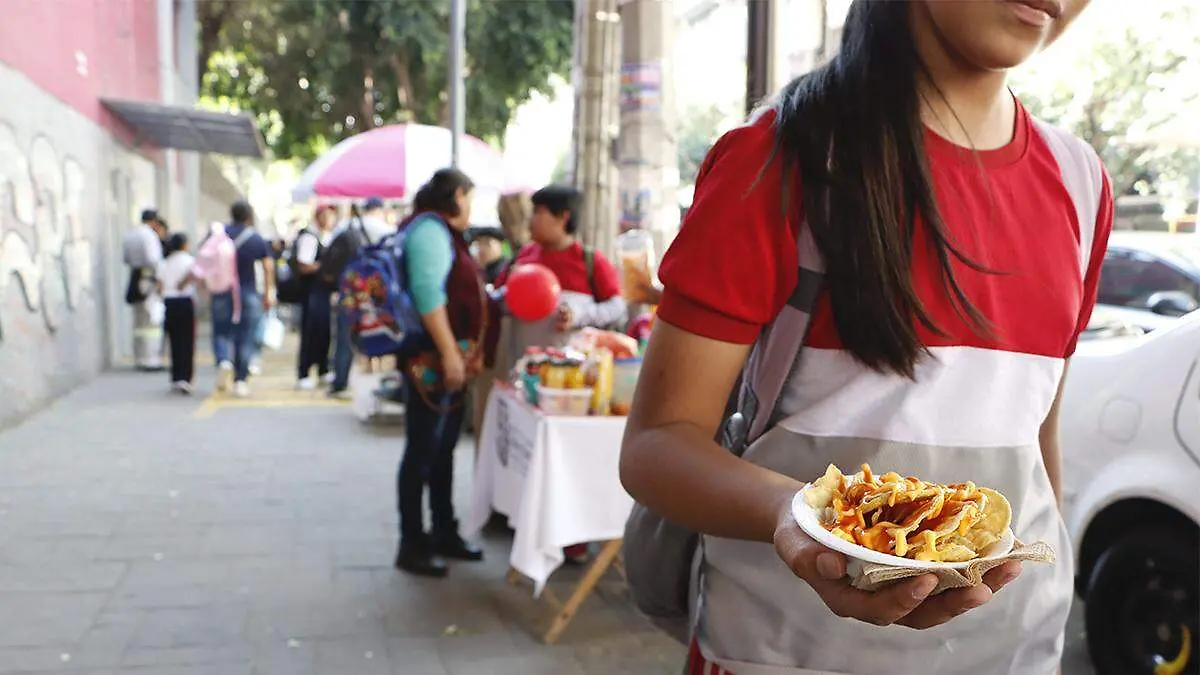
point(853, 131)
point(438, 193)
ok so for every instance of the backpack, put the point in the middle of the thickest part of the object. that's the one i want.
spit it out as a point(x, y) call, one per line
point(291, 287)
point(663, 561)
point(216, 263)
point(341, 252)
point(373, 290)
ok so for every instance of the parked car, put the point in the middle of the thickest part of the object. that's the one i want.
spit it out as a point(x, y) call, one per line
point(1107, 324)
point(1150, 279)
point(1130, 429)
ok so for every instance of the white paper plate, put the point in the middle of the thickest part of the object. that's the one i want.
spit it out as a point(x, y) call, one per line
point(807, 518)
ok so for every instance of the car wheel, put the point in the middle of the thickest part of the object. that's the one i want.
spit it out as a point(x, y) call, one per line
point(1141, 604)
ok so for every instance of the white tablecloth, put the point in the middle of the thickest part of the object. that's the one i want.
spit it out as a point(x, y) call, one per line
point(556, 478)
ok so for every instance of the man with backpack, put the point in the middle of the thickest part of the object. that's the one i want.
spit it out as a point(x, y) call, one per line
point(142, 252)
point(226, 262)
point(315, 296)
point(365, 226)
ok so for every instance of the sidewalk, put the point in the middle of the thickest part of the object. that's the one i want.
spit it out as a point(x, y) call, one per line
point(147, 533)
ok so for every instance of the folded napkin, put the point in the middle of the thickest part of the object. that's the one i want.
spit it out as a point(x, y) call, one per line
point(870, 576)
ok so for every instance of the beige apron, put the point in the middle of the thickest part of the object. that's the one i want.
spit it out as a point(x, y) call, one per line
point(756, 612)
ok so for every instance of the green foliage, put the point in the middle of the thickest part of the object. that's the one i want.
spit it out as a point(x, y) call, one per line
point(317, 71)
point(699, 127)
point(1128, 89)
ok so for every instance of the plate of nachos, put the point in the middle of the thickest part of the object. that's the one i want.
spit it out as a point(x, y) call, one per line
point(900, 521)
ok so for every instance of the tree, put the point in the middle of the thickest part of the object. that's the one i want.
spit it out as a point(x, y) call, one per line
point(698, 129)
point(1130, 84)
point(317, 71)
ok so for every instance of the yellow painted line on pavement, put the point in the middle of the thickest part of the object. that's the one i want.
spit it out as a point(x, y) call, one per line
point(274, 399)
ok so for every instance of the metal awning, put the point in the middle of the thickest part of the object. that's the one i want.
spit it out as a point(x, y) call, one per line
point(181, 128)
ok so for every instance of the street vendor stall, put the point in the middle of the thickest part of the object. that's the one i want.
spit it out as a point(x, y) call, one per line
point(553, 471)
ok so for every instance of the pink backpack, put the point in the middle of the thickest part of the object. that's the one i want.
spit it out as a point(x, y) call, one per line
point(216, 263)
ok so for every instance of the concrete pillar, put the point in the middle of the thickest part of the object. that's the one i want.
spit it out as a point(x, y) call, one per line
point(189, 76)
point(597, 36)
point(646, 148)
point(165, 173)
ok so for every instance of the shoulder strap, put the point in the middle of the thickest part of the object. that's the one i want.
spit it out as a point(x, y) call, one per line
point(589, 263)
point(775, 352)
point(1083, 177)
point(243, 237)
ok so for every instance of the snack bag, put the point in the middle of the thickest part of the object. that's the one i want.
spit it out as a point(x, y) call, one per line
point(600, 378)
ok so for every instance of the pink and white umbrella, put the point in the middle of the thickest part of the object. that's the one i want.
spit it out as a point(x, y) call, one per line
point(392, 162)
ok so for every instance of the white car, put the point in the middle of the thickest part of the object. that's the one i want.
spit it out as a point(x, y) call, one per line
point(1150, 279)
point(1131, 472)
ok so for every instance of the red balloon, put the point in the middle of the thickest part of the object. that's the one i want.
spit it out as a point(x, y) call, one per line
point(532, 292)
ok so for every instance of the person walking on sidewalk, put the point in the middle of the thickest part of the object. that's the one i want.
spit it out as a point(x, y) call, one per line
point(178, 288)
point(369, 226)
point(142, 251)
point(316, 293)
point(447, 288)
point(233, 340)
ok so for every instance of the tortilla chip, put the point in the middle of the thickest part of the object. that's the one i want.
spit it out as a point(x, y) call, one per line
point(995, 519)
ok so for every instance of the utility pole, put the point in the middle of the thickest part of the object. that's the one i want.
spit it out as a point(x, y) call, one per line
point(646, 150)
point(596, 49)
point(458, 109)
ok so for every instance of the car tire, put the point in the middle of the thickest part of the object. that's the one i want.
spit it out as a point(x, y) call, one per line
point(1141, 604)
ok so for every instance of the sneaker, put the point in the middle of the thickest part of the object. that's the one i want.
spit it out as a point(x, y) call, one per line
point(255, 366)
point(225, 376)
point(241, 390)
point(340, 394)
point(181, 387)
point(329, 377)
point(306, 384)
point(576, 554)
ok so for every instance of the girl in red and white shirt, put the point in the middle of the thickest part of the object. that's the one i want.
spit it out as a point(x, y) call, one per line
point(959, 275)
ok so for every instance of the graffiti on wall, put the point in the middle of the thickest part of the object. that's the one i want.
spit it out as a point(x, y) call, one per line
point(43, 246)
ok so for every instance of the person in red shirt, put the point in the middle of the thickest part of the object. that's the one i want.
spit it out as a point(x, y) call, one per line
point(935, 250)
point(589, 298)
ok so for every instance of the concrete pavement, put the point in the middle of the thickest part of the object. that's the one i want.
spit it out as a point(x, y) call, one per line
point(146, 533)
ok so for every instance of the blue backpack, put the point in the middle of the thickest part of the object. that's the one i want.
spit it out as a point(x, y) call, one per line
point(374, 290)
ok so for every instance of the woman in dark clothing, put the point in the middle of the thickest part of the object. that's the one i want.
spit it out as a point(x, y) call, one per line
point(447, 288)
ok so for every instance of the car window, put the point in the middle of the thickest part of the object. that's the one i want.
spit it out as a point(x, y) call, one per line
point(1129, 280)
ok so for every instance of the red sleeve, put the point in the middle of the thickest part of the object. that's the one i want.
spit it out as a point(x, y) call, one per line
point(1091, 281)
point(734, 263)
point(608, 282)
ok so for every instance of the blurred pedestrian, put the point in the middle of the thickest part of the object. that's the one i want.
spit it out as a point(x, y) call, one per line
point(447, 288)
point(177, 284)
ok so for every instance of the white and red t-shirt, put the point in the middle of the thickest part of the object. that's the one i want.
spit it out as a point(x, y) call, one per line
point(973, 411)
point(570, 268)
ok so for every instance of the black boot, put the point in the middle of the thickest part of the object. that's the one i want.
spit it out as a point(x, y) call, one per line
point(451, 545)
point(416, 557)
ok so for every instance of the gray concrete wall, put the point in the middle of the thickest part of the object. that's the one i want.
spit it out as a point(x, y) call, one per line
point(68, 191)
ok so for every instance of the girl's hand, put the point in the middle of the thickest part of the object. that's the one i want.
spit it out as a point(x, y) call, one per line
point(905, 602)
point(454, 370)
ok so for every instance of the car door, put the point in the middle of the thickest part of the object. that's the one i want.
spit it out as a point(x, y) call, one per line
point(1187, 414)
